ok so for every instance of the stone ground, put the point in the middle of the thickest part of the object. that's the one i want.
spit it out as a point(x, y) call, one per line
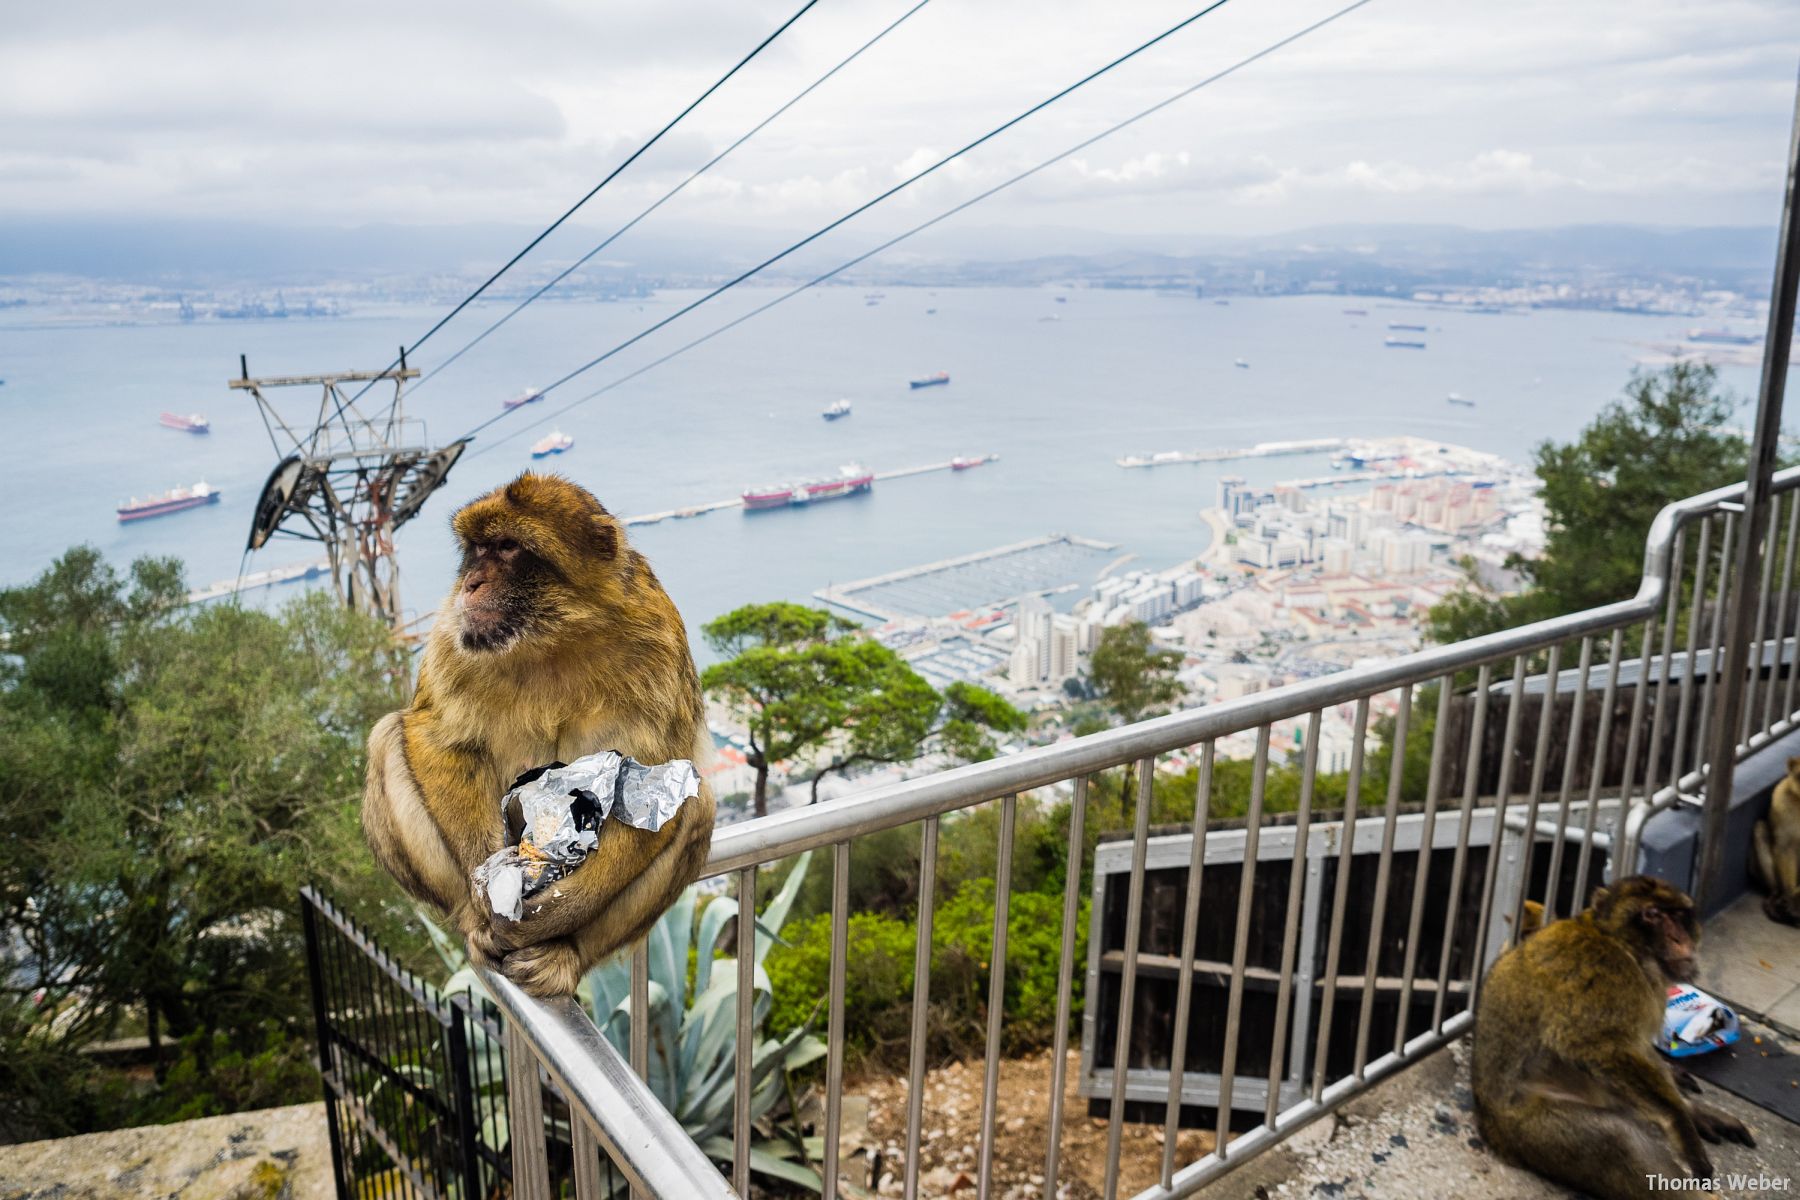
point(1755, 963)
point(1412, 1137)
point(272, 1154)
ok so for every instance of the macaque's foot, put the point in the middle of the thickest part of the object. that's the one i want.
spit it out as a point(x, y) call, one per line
point(546, 969)
point(1684, 1079)
point(1715, 1126)
point(485, 947)
point(1782, 909)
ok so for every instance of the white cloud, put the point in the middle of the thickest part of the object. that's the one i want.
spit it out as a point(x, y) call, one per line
point(1407, 110)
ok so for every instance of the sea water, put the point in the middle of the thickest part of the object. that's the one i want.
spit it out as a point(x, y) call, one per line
point(1059, 389)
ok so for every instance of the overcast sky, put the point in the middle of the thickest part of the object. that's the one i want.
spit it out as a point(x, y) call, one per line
point(1531, 112)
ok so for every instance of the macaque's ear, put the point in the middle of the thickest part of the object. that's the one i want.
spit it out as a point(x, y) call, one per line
point(606, 536)
point(1601, 901)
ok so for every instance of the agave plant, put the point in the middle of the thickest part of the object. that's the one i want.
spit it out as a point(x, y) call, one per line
point(692, 1028)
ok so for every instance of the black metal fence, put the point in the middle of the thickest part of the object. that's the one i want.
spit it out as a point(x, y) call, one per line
point(415, 1080)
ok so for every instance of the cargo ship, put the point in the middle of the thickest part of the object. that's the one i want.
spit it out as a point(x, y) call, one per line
point(1723, 337)
point(553, 443)
point(1402, 327)
point(192, 423)
point(1459, 398)
point(960, 463)
point(169, 502)
point(851, 480)
point(1395, 343)
point(528, 396)
point(938, 380)
point(835, 411)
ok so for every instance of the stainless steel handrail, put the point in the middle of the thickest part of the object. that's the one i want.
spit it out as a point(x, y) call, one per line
point(614, 1110)
point(605, 1097)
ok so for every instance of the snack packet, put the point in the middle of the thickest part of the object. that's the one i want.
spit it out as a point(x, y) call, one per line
point(1695, 1023)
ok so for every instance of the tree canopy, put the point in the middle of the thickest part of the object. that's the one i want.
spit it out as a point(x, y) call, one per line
point(808, 686)
point(173, 774)
point(1666, 438)
point(1131, 674)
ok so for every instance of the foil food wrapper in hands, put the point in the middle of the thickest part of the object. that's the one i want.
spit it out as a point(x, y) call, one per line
point(553, 817)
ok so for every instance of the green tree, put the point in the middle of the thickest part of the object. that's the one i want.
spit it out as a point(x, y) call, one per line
point(173, 775)
point(1665, 439)
point(803, 684)
point(1131, 675)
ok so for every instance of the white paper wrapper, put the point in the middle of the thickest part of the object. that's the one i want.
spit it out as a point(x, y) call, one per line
point(553, 821)
point(1695, 1023)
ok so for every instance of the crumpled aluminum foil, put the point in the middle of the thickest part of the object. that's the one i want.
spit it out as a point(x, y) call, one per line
point(553, 819)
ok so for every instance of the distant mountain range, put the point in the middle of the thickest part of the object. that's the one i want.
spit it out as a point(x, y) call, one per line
point(212, 253)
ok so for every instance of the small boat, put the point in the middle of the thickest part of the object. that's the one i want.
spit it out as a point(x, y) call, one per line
point(1458, 398)
point(1356, 312)
point(1395, 343)
point(528, 396)
point(836, 411)
point(960, 463)
point(930, 312)
point(1062, 299)
point(192, 423)
point(554, 442)
point(938, 380)
point(172, 501)
point(1238, 362)
point(1403, 327)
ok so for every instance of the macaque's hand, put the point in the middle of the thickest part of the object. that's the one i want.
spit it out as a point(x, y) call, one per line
point(547, 969)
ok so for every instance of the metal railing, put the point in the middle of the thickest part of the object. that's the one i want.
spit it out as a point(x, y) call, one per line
point(1628, 726)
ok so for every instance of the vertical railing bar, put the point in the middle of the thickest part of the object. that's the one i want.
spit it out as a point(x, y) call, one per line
point(525, 1108)
point(1241, 942)
point(315, 964)
point(1309, 763)
point(1509, 742)
point(1577, 714)
point(1065, 978)
point(640, 1008)
point(746, 1030)
point(1427, 837)
point(1134, 908)
point(1340, 893)
point(834, 1039)
point(1781, 614)
point(1602, 745)
point(585, 1153)
point(1539, 755)
point(1184, 987)
point(1459, 861)
point(1671, 609)
point(1715, 657)
point(1384, 867)
point(1787, 577)
point(1760, 634)
point(990, 1088)
point(1702, 561)
point(915, 1069)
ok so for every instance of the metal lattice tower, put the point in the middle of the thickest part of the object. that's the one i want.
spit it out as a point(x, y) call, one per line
point(346, 479)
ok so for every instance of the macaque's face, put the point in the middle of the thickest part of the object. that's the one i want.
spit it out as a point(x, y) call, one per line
point(1661, 919)
point(495, 594)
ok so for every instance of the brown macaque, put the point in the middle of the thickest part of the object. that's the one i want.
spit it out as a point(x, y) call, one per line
point(555, 641)
point(1775, 850)
point(1566, 1080)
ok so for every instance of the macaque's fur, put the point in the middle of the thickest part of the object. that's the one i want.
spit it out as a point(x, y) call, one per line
point(1565, 1076)
point(556, 641)
point(1775, 850)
